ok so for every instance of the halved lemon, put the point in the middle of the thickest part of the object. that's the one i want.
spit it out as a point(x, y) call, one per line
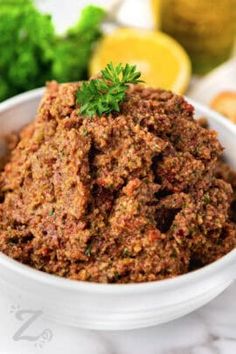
point(162, 61)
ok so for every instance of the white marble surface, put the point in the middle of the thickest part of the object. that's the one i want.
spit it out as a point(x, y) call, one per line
point(210, 330)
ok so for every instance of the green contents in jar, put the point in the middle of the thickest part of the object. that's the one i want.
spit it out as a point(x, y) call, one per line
point(206, 28)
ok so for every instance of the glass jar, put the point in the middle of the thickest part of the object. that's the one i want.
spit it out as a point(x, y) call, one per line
point(205, 28)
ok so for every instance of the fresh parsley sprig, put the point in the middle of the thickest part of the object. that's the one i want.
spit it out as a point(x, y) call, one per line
point(104, 95)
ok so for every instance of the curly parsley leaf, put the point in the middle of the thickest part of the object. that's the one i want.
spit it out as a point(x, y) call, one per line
point(104, 95)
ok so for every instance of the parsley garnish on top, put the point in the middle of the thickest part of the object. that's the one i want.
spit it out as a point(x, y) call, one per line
point(104, 95)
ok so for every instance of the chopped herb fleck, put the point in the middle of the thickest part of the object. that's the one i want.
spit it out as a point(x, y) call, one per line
point(88, 250)
point(84, 132)
point(51, 212)
point(126, 252)
point(116, 276)
point(206, 198)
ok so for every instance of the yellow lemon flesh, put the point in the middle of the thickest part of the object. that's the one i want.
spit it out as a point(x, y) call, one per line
point(162, 61)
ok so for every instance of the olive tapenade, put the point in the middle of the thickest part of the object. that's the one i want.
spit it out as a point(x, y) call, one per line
point(133, 196)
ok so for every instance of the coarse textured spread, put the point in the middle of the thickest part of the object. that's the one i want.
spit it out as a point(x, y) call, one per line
point(131, 197)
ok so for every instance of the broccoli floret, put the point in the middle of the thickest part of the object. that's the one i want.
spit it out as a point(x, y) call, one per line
point(31, 52)
point(72, 52)
point(26, 42)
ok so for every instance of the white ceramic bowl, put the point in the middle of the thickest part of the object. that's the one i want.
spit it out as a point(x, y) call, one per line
point(114, 307)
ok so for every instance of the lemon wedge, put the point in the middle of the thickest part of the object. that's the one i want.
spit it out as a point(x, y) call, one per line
point(162, 61)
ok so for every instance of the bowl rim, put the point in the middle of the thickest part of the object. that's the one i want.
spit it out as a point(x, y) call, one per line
point(116, 289)
point(44, 278)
